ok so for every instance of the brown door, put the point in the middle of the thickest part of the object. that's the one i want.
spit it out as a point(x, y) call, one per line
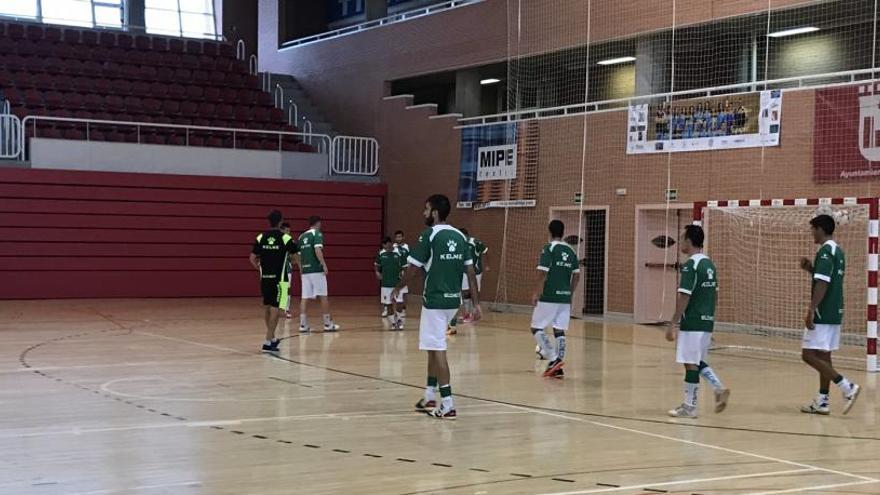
point(657, 264)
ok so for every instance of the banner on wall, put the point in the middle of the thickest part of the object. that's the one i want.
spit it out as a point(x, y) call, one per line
point(496, 172)
point(714, 123)
point(846, 133)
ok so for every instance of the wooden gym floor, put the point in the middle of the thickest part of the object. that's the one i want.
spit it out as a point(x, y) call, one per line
point(173, 397)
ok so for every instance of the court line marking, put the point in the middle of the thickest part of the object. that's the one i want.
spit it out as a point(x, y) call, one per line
point(11, 433)
point(561, 416)
point(105, 387)
point(814, 488)
point(700, 444)
point(140, 487)
point(683, 482)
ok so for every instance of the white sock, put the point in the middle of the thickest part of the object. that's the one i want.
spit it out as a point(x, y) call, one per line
point(403, 313)
point(430, 393)
point(391, 319)
point(327, 320)
point(845, 386)
point(400, 316)
point(268, 342)
point(547, 349)
point(822, 399)
point(690, 394)
point(560, 344)
point(303, 320)
point(446, 402)
point(709, 374)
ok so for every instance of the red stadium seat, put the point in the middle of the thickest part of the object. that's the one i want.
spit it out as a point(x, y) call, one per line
point(125, 41)
point(140, 88)
point(189, 61)
point(159, 90)
point(176, 45)
point(226, 112)
point(160, 44)
point(176, 91)
point(194, 47)
point(72, 35)
point(170, 107)
point(34, 32)
point(226, 50)
point(53, 34)
point(206, 110)
point(194, 92)
point(89, 38)
point(142, 42)
point(15, 31)
point(107, 39)
point(210, 48)
point(212, 93)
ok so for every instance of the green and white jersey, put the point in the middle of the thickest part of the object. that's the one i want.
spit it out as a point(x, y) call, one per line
point(308, 241)
point(479, 249)
point(700, 281)
point(560, 261)
point(830, 267)
point(444, 254)
point(403, 251)
point(389, 264)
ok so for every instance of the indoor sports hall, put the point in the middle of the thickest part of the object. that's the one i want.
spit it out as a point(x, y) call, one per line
point(462, 247)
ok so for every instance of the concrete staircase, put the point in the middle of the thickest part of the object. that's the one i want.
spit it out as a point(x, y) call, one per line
point(305, 107)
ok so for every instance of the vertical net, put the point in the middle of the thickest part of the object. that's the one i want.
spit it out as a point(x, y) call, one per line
point(607, 100)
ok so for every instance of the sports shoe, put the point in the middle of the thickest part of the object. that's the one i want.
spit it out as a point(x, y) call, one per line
point(305, 329)
point(816, 408)
point(560, 374)
point(331, 327)
point(684, 411)
point(467, 319)
point(288, 315)
point(721, 398)
point(440, 413)
point(553, 367)
point(425, 405)
point(538, 352)
point(851, 398)
point(271, 347)
point(384, 311)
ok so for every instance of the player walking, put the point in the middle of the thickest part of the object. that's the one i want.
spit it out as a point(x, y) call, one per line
point(558, 276)
point(695, 319)
point(824, 316)
point(270, 256)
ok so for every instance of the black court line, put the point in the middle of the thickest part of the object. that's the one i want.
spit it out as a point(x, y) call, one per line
point(582, 413)
point(289, 381)
point(608, 485)
point(563, 480)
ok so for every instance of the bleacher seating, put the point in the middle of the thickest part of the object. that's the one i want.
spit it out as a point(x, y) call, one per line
point(107, 75)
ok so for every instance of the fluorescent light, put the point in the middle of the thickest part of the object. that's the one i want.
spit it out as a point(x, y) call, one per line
point(491, 80)
point(619, 60)
point(792, 32)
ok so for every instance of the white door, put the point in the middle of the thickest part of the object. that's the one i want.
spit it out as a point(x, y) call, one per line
point(657, 255)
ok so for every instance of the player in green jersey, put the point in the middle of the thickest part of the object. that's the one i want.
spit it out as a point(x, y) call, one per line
point(442, 254)
point(387, 268)
point(402, 247)
point(558, 277)
point(824, 316)
point(313, 270)
point(694, 319)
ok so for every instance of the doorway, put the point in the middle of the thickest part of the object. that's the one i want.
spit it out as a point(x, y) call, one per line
point(585, 230)
point(657, 260)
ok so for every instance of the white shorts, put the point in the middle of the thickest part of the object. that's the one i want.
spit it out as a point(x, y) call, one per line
point(465, 284)
point(385, 295)
point(314, 285)
point(432, 328)
point(692, 347)
point(822, 338)
point(545, 314)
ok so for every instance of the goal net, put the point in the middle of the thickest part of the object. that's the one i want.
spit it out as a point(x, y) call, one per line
point(763, 293)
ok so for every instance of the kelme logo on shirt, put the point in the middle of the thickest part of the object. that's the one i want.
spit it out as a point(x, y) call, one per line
point(710, 273)
point(451, 244)
point(564, 256)
point(271, 240)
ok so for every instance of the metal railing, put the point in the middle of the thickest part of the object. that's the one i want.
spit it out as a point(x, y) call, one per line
point(352, 155)
point(815, 81)
point(292, 112)
point(321, 142)
point(279, 96)
point(10, 130)
point(253, 65)
point(240, 50)
point(391, 19)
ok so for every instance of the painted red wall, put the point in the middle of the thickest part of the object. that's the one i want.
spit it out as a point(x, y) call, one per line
point(68, 234)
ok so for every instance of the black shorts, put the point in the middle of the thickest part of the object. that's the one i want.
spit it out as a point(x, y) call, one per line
point(271, 292)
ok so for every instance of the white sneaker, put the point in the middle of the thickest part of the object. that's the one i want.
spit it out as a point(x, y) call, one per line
point(816, 408)
point(384, 311)
point(331, 327)
point(304, 329)
point(850, 399)
point(721, 398)
point(684, 411)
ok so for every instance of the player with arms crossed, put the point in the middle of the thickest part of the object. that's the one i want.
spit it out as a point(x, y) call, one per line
point(695, 319)
point(442, 252)
point(387, 268)
point(824, 316)
point(313, 269)
point(270, 256)
point(558, 276)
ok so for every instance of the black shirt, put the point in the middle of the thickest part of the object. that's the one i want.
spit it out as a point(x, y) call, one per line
point(273, 248)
